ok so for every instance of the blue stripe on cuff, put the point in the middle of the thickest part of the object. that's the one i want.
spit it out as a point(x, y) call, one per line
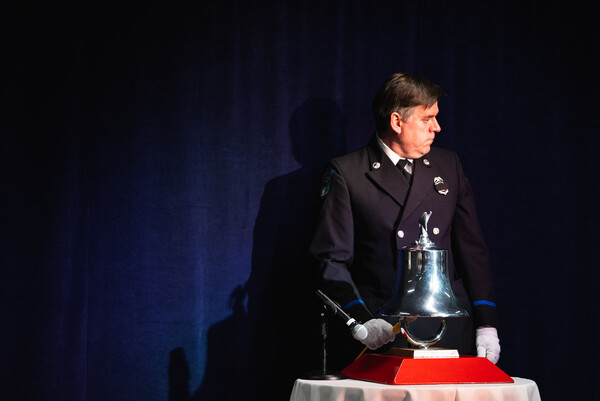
point(351, 304)
point(483, 302)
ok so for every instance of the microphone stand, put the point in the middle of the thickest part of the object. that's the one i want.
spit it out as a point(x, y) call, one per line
point(323, 373)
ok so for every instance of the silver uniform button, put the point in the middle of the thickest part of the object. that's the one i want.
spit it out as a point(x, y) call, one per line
point(376, 165)
point(400, 234)
point(426, 162)
point(436, 230)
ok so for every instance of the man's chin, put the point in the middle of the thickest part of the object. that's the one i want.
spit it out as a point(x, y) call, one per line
point(424, 152)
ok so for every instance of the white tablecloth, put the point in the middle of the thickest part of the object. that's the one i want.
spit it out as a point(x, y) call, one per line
point(357, 390)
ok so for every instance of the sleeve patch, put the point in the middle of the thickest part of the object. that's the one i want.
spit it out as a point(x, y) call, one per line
point(327, 183)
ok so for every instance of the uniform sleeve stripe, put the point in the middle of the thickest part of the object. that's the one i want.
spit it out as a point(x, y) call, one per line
point(352, 303)
point(484, 302)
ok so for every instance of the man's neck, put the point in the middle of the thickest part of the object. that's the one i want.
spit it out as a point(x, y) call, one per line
point(388, 146)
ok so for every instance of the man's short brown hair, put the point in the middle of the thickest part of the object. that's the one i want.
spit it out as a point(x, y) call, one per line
point(400, 93)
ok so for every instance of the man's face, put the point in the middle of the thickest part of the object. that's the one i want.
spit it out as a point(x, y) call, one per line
point(418, 131)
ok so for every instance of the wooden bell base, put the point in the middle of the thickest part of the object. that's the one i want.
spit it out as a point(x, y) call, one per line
point(391, 369)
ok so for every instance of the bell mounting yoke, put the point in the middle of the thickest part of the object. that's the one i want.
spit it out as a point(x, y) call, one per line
point(423, 343)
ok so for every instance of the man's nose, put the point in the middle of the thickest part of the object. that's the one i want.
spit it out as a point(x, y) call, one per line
point(436, 126)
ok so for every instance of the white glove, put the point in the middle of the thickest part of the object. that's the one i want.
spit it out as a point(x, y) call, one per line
point(488, 344)
point(380, 333)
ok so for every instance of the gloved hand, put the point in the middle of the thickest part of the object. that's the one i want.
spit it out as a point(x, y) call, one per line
point(488, 344)
point(380, 333)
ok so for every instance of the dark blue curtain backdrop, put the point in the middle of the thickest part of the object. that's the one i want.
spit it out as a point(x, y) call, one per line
point(160, 164)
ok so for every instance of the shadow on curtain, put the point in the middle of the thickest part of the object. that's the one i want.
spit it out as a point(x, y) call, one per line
point(273, 334)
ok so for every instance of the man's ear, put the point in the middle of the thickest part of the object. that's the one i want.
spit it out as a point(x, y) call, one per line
point(396, 122)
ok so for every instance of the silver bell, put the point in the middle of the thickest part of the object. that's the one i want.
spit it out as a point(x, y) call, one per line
point(422, 286)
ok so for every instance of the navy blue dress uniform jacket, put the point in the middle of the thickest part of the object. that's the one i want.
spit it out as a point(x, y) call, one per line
point(369, 212)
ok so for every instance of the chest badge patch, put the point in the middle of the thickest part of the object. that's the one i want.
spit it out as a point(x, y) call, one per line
point(327, 182)
point(440, 185)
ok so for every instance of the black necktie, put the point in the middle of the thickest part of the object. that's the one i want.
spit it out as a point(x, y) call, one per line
point(406, 167)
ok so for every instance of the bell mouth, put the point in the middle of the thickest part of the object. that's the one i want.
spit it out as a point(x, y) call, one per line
point(460, 312)
point(414, 301)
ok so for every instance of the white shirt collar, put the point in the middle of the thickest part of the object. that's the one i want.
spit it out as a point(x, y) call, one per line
point(389, 152)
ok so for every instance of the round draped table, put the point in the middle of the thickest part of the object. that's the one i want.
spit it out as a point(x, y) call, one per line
point(358, 390)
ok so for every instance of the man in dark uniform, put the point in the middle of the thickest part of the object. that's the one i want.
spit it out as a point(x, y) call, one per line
point(371, 202)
